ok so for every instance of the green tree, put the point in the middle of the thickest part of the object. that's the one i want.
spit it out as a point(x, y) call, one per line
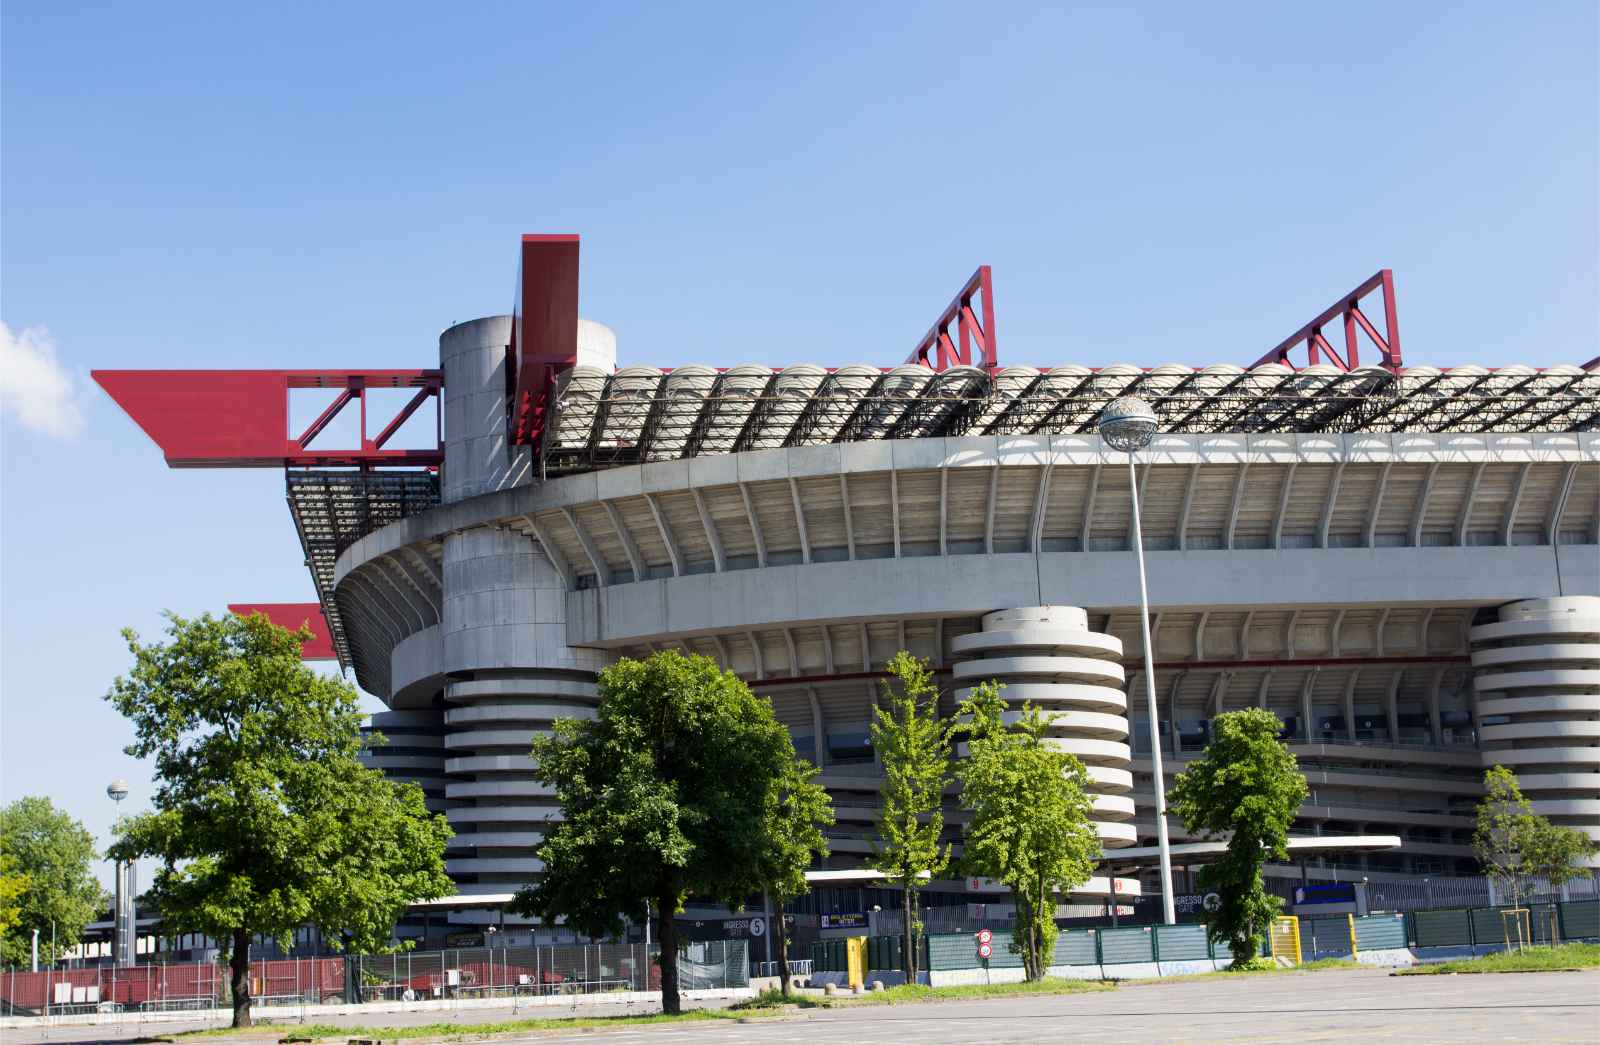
point(1246, 785)
point(797, 810)
point(1029, 826)
point(1516, 844)
point(265, 819)
point(668, 792)
point(54, 856)
point(13, 886)
point(913, 743)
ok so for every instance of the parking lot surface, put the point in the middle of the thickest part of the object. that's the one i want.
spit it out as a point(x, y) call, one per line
point(1324, 1007)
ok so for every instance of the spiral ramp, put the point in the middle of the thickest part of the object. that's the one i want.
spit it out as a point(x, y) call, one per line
point(1537, 680)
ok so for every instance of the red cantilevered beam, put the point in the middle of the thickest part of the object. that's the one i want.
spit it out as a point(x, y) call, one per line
point(1348, 310)
point(544, 331)
point(939, 351)
point(240, 418)
point(294, 616)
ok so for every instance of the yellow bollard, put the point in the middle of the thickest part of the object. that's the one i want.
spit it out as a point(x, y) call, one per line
point(855, 951)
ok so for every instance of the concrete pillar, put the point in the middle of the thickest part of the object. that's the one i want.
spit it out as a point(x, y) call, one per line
point(1047, 656)
point(510, 674)
point(1538, 669)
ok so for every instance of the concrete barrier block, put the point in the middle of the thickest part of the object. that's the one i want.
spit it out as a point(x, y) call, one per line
point(1132, 971)
point(1186, 968)
point(1077, 972)
point(1387, 957)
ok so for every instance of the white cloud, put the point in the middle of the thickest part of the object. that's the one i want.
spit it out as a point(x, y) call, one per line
point(35, 389)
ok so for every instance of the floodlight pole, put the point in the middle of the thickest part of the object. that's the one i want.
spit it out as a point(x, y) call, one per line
point(1168, 913)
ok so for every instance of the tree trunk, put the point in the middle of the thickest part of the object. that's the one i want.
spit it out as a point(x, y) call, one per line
point(1034, 943)
point(667, 935)
point(239, 965)
point(783, 949)
point(910, 962)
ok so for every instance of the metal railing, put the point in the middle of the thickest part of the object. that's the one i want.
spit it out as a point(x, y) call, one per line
point(464, 973)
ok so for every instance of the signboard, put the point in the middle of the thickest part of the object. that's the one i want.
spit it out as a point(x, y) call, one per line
point(984, 936)
point(1333, 892)
point(847, 920)
point(985, 950)
point(736, 927)
point(1195, 903)
point(464, 940)
point(986, 885)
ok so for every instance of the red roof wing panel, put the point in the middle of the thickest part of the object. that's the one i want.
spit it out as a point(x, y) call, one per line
point(205, 418)
point(294, 616)
point(544, 329)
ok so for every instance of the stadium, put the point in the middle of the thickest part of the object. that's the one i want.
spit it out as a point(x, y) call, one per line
point(1402, 563)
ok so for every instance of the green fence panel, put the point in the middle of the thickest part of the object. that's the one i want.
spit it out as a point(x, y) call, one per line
point(1002, 958)
point(1119, 946)
point(951, 951)
point(1327, 935)
point(1580, 919)
point(1077, 947)
point(1181, 943)
point(1381, 932)
point(1443, 928)
point(1543, 918)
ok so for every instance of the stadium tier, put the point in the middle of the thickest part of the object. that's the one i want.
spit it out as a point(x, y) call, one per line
point(1403, 563)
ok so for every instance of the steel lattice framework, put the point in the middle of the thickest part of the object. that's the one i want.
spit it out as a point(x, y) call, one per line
point(639, 414)
point(332, 510)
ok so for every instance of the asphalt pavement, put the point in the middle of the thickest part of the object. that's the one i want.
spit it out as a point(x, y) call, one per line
point(1330, 1006)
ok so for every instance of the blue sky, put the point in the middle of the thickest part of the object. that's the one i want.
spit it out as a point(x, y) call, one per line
point(330, 185)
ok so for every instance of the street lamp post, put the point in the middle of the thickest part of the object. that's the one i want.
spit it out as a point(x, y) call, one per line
point(1128, 424)
point(123, 949)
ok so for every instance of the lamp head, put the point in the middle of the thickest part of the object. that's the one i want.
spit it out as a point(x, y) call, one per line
point(117, 789)
point(1127, 424)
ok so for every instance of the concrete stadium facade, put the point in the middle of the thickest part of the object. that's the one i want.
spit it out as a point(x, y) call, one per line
point(1414, 605)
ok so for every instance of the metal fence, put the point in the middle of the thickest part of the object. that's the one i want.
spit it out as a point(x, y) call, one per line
point(1321, 937)
point(480, 972)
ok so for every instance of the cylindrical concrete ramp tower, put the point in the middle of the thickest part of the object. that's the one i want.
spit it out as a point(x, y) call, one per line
point(1538, 690)
point(508, 669)
point(1047, 655)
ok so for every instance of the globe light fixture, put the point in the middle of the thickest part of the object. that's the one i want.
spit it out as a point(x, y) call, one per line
point(1128, 424)
point(117, 790)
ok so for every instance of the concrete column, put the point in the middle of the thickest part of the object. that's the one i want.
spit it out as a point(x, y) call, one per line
point(510, 674)
point(1047, 655)
point(1538, 668)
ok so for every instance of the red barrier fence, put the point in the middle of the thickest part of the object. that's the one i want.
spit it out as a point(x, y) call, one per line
point(468, 972)
point(175, 986)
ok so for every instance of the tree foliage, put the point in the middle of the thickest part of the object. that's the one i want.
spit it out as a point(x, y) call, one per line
point(13, 884)
point(1515, 844)
point(1029, 826)
point(1245, 785)
point(797, 809)
point(913, 743)
point(49, 872)
point(264, 817)
point(672, 789)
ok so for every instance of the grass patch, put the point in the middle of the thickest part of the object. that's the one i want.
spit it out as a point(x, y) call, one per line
point(914, 992)
point(772, 998)
point(1321, 965)
point(474, 1031)
point(1534, 959)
